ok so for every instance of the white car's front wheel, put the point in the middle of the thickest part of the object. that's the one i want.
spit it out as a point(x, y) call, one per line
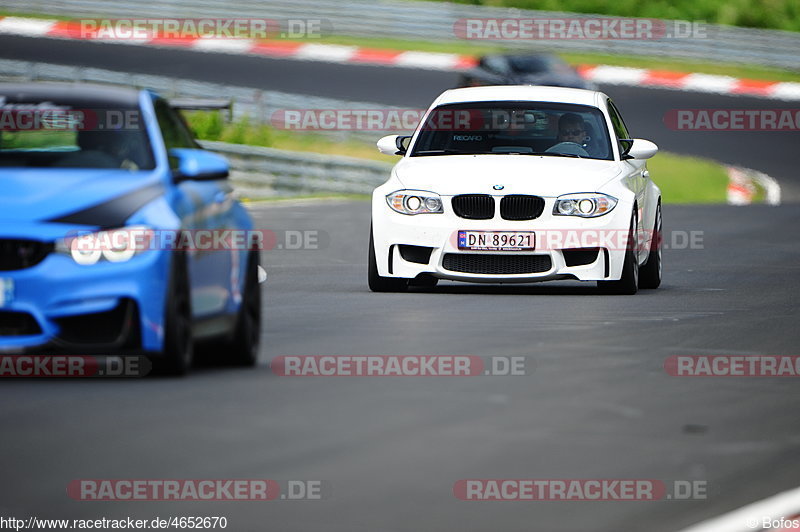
point(378, 283)
point(628, 284)
point(650, 273)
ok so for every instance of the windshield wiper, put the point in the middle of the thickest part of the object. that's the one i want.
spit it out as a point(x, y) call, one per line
point(551, 154)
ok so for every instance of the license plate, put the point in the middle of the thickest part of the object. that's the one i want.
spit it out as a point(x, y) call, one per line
point(496, 240)
point(6, 291)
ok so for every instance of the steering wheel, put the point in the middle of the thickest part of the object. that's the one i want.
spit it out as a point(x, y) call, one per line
point(568, 148)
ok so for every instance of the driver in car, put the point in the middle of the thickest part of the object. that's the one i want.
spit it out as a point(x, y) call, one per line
point(571, 129)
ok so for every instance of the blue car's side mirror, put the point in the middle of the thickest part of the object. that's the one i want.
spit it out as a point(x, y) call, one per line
point(191, 164)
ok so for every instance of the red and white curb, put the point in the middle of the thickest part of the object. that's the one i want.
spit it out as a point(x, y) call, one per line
point(776, 510)
point(332, 53)
point(641, 77)
point(743, 183)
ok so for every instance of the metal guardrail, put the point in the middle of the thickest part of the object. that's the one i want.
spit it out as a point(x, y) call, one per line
point(435, 21)
point(256, 105)
point(261, 172)
point(256, 172)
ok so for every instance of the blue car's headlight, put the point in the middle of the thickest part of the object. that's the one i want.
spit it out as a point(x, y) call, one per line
point(113, 245)
point(587, 205)
point(415, 202)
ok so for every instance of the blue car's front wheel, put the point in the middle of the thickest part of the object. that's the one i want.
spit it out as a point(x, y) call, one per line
point(178, 352)
point(245, 342)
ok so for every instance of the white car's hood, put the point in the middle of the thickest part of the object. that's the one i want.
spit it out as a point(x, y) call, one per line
point(546, 176)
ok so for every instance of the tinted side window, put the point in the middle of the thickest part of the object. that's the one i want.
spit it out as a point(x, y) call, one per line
point(173, 128)
point(620, 130)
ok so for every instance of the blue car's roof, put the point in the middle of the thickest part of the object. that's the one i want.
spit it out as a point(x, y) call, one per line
point(76, 94)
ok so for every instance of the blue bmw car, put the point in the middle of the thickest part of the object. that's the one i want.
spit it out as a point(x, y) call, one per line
point(115, 231)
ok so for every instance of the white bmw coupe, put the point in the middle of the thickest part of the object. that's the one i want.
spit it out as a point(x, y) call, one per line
point(518, 184)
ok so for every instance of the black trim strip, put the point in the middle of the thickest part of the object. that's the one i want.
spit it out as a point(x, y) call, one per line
point(114, 212)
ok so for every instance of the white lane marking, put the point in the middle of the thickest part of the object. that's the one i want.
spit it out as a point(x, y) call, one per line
point(786, 91)
point(785, 504)
point(710, 83)
point(26, 26)
point(333, 53)
point(771, 186)
point(427, 60)
point(617, 75)
point(741, 189)
point(230, 46)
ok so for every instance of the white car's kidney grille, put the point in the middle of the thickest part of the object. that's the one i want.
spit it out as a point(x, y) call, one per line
point(473, 206)
point(521, 207)
point(496, 264)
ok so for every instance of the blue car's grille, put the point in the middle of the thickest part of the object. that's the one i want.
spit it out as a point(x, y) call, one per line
point(20, 254)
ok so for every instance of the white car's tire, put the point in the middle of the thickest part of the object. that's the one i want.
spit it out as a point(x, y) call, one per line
point(650, 273)
point(628, 284)
point(378, 283)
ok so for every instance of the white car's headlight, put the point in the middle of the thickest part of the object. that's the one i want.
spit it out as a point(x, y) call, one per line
point(589, 205)
point(114, 245)
point(415, 202)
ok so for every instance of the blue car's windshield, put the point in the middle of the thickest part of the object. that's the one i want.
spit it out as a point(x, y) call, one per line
point(43, 135)
point(525, 128)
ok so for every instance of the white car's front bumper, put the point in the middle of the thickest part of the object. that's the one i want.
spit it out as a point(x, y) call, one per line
point(393, 232)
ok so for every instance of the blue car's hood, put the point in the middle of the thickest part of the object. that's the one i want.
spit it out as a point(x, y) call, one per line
point(46, 194)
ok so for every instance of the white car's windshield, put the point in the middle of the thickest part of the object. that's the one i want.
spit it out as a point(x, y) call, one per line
point(527, 128)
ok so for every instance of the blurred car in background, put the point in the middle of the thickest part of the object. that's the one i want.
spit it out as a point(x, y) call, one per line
point(105, 197)
point(524, 69)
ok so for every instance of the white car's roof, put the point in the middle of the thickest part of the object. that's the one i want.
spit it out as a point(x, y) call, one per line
point(521, 93)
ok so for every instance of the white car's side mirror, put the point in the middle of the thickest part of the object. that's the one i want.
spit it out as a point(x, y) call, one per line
point(393, 145)
point(640, 149)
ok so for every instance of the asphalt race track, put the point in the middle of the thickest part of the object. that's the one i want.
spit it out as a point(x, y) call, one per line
point(596, 403)
point(773, 153)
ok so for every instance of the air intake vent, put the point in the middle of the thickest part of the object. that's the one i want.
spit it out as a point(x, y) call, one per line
point(496, 264)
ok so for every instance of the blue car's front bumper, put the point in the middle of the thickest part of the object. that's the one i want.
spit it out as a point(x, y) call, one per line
point(58, 305)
